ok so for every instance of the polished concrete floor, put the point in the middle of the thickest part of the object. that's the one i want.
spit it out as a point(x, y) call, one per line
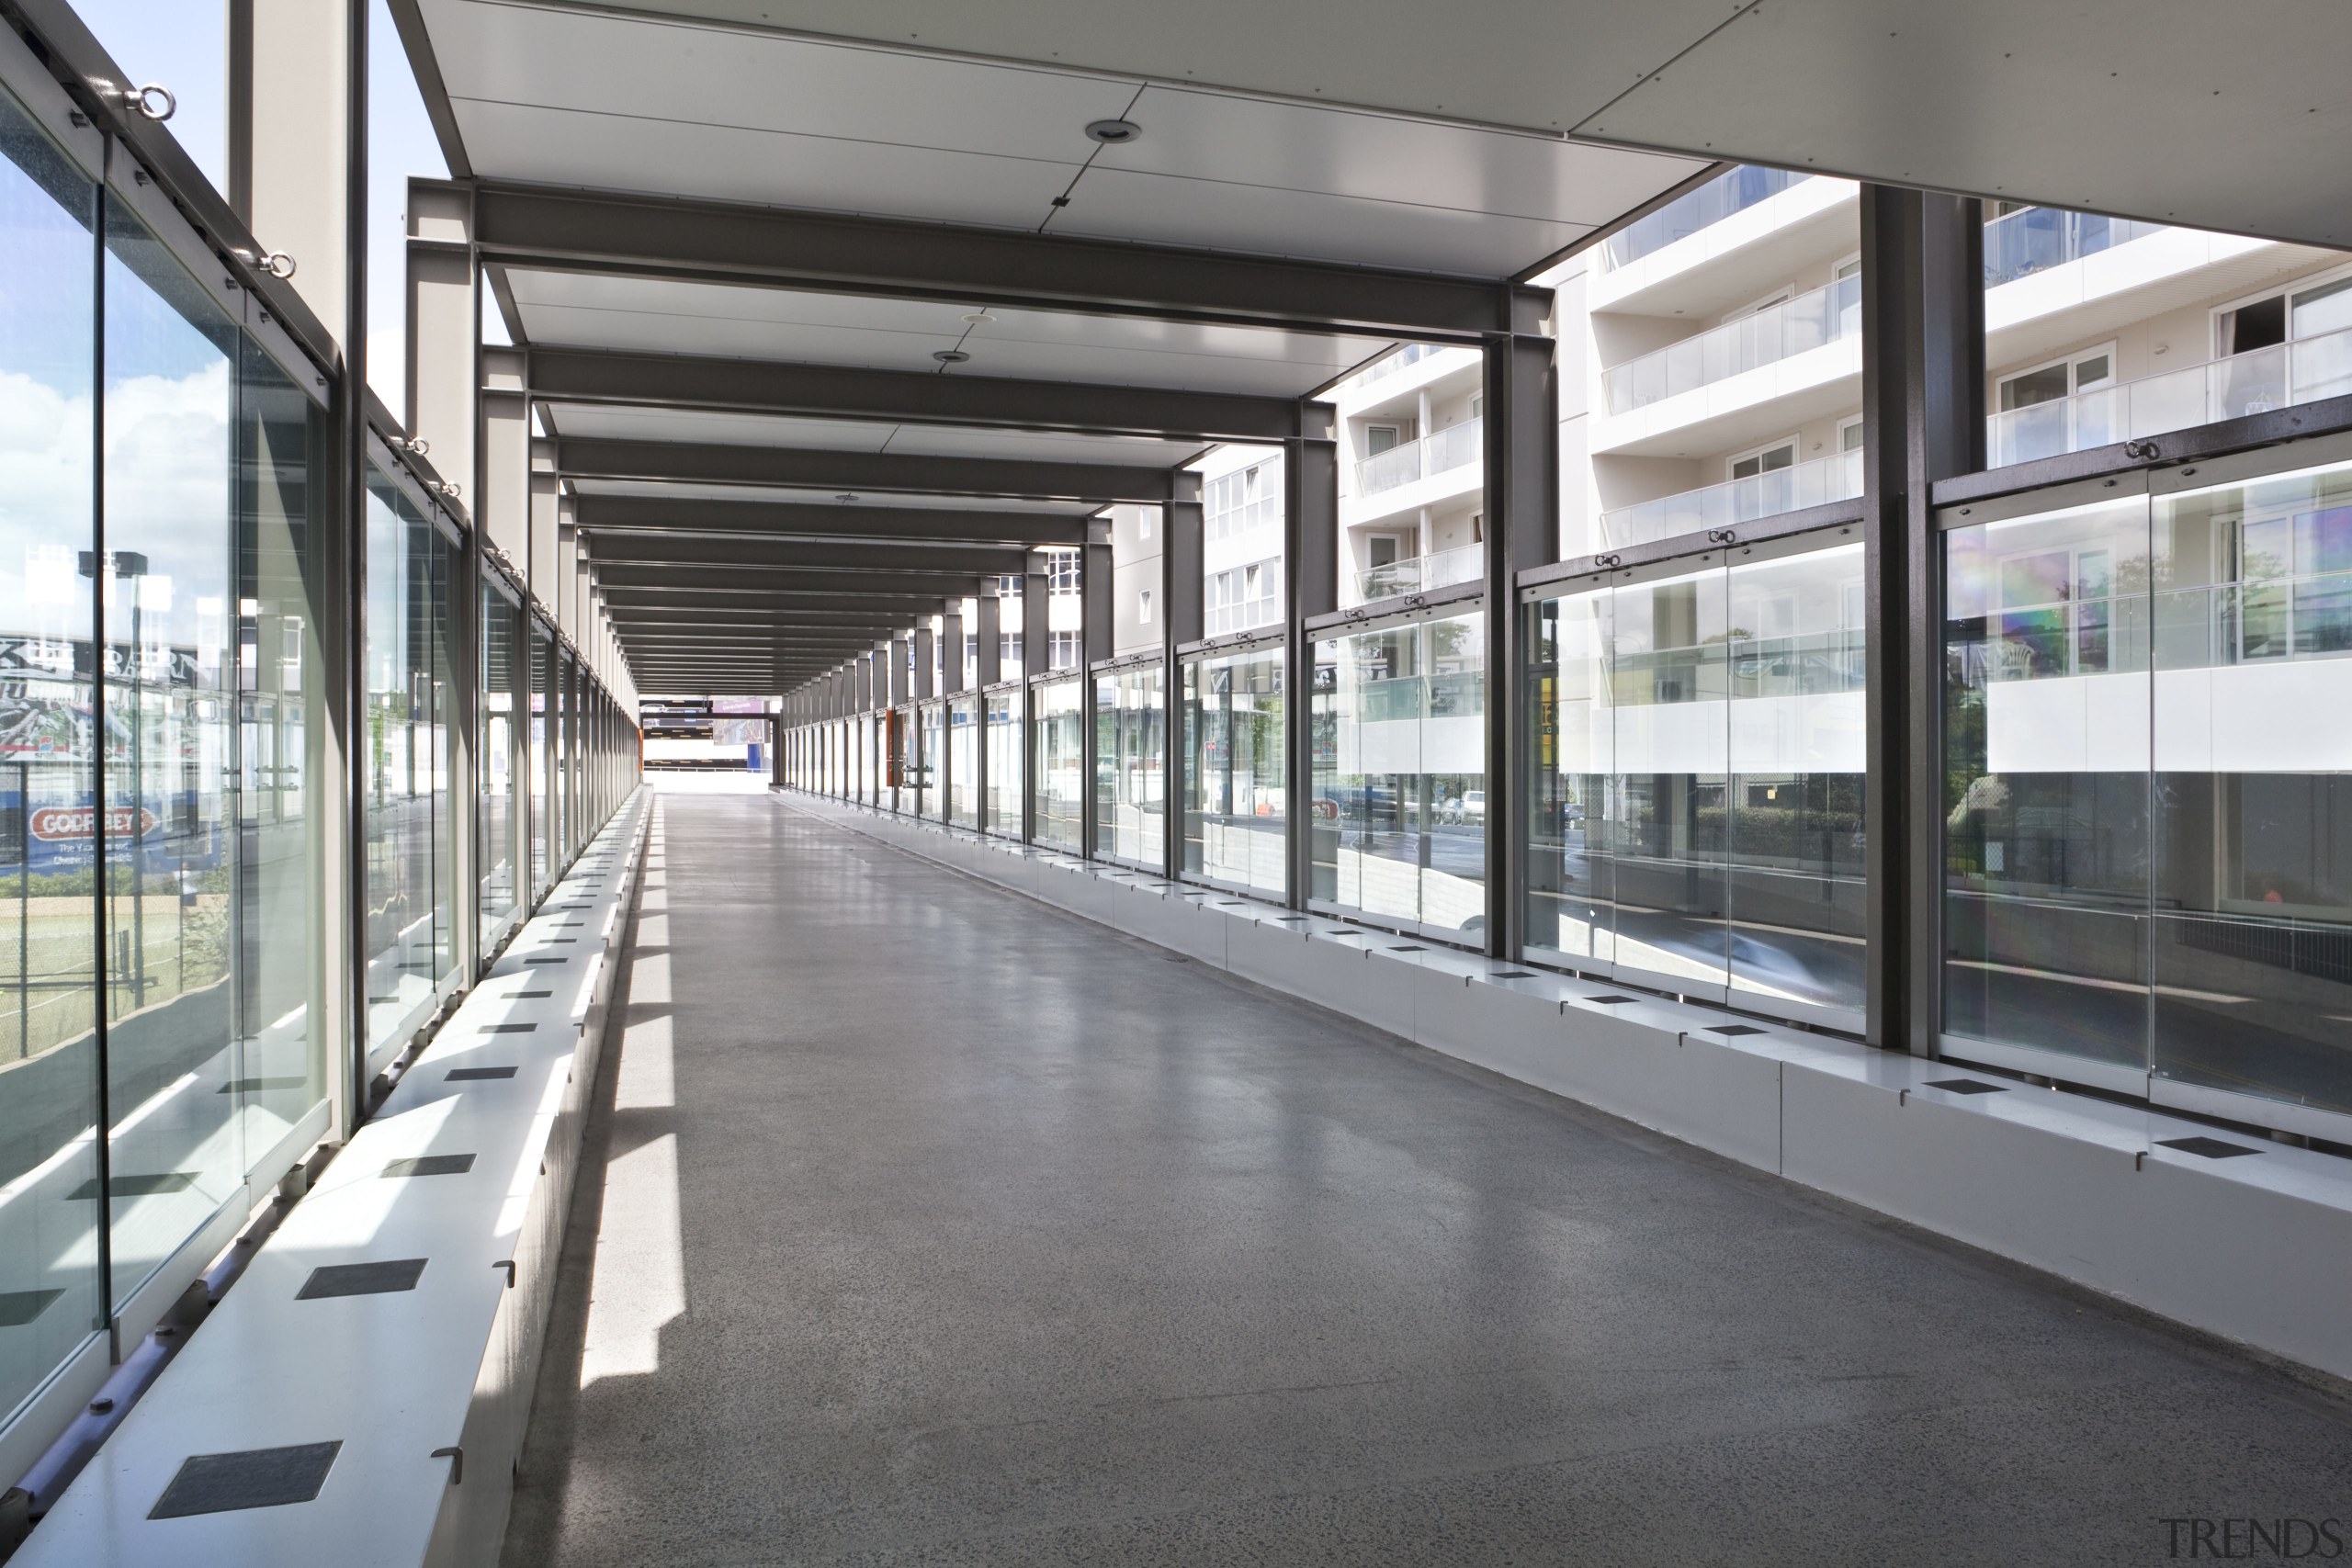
point(924, 1224)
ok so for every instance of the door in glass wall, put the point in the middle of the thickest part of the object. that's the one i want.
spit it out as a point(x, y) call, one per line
point(49, 1278)
point(1061, 764)
point(1130, 764)
point(1400, 774)
point(1235, 789)
point(1696, 759)
point(2150, 827)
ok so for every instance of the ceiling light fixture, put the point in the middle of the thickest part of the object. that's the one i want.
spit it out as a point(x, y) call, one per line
point(1111, 133)
point(951, 357)
point(846, 495)
point(980, 319)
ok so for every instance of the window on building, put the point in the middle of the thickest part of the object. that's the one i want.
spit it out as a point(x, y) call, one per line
point(1143, 607)
point(1246, 499)
point(1061, 651)
point(1063, 571)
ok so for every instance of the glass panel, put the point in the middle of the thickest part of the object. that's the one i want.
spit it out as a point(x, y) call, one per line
point(1130, 764)
point(1799, 931)
point(542, 828)
point(1061, 764)
point(2046, 781)
point(1235, 791)
point(170, 890)
point(398, 760)
point(49, 1267)
point(1571, 758)
point(1662, 822)
point(286, 829)
point(1003, 804)
point(964, 762)
point(2250, 946)
point(502, 682)
point(1399, 727)
point(933, 774)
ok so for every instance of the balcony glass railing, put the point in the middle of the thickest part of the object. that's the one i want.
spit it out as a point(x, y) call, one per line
point(2273, 377)
point(1686, 214)
point(1776, 333)
point(2035, 239)
point(1457, 445)
point(1438, 570)
point(1838, 476)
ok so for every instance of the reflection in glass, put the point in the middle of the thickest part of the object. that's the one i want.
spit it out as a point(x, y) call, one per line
point(964, 762)
point(2250, 939)
point(50, 1285)
point(168, 737)
point(1062, 763)
point(1400, 786)
point(1235, 788)
point(2046, 694)
point(1005, 772)
point(1131, 764)
point(501, 697)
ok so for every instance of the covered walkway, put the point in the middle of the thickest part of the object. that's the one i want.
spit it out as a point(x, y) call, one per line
point(938, 1226)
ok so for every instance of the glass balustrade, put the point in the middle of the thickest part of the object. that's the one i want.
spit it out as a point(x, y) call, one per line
point(1441, 451)
point(1686, 214)
point(1439, 569)
point(1838, 476)
point(2035, 239)
point(1827, 315)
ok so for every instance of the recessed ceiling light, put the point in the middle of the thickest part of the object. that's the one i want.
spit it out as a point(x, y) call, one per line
point(1114, 131)
point(846, 495)
point(979, 319)
point(951, 357)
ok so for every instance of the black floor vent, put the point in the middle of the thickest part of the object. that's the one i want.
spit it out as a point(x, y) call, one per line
point(361, 1279)
point(256, 1478)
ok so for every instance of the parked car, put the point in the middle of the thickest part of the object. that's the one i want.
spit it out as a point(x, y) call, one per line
point(1470, 805)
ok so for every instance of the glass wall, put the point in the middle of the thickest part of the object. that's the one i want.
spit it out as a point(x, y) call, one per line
point(1695, 778)
point(1062, 763)
point(498, 767)
point(2149, 791)
point(1131, 764)
point(542, 676)
point(1002, 806)
point(1400, 783)
point(1235, 792)
point(405, 768)
point(931, 764)
point(964, 762)
point(161, 812)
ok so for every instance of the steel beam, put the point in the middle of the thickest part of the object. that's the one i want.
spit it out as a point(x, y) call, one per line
point(753, 583)
point(1094, 483)
point(820, 555)
point(779, 520)
point(851, 393)
point(714, 242)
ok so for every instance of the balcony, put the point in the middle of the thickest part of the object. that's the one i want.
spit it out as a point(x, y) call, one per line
point(1411, 354)
point(1440, 451)
point(1441, 569)
point(2285, 374)
point(2036, 239)
point(1686, 214)
point(1777, 332)
point(1816, 483)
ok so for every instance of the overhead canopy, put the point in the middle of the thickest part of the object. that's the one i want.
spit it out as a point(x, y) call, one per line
point(819, 321)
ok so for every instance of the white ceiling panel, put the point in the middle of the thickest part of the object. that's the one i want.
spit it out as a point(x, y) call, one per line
point(662, 316)
point(611, 150)
point(1115, 204)
point(611, 422)
point(1193, 134)
point(804, 497)
point(592, 422)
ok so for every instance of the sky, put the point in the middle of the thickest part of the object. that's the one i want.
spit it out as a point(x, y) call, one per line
point(183, 45)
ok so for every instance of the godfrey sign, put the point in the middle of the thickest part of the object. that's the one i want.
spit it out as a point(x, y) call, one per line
point(62, 824)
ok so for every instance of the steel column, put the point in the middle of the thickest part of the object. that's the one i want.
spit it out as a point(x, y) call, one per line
point(1035, 643)
point(1522, 527)
point(1923, 399)
point(1179, 623)
point(1310, 587)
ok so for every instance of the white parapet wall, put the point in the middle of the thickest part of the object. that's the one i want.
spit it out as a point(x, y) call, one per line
point(2229, 1233)
point(408, 1403)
